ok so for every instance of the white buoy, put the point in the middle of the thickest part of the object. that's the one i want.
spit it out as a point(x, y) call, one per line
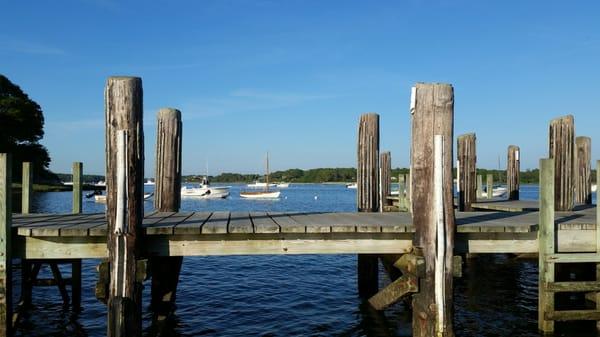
point(316, 197)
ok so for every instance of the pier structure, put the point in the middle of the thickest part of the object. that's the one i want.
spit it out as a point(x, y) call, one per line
point(420, 249)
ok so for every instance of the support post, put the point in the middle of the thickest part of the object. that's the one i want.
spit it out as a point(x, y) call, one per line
point(583, 171)
point(167, 198)
point(76, 263)
point(385, 178)
point(490, 185)
point(26, 188)
point(77, 181)
point(546, 237)
point(513, 172)
point(597, 238)
point(433, 221)
point(561, 149)
point(5, 245)
point(479, 186)
point(467, 163)
point(368, 196)
point(125, 211)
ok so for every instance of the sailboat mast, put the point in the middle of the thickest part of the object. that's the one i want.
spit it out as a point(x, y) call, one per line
point(267, 179)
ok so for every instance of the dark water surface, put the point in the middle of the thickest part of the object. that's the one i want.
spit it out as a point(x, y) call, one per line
point(297, 295)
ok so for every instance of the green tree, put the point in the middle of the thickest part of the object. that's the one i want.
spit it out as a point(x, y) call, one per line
point(21, 128)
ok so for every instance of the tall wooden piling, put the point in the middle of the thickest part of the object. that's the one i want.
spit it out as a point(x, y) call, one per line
point(546, 239)
point(467, 164)
point(26, 188)
point(434, 221)
point(125, 188)
point(77, 182)
point(367, 195)
point(583, 170)
point(479, 186)
point(513, 172)
point(597, 238)
point(5, 245)
point(385, 178)
point(167, 198)
point(562, 150)
point(490, 185)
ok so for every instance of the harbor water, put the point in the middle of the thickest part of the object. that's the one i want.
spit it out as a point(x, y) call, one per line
point(296, 295)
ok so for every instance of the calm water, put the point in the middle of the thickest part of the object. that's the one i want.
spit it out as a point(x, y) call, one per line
point(303, 295)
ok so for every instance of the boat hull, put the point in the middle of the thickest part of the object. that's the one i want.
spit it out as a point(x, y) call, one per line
point(260, 195)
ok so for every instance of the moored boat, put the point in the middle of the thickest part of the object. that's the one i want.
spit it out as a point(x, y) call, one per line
point(205, 191)
point(264, 194)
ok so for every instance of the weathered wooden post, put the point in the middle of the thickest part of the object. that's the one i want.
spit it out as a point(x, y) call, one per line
point(167, 198)
point(124, 190)
point(77, 182)
point(433, 217)
point(597, 237)
point(546, 241)
point(490, 185)
point(76, 263)
point(385, 178)
point(367, 195)
point(5, 245)
point(26, 188)
point(561, 146)
point(513, 172)
point(479, 186)
point(583, 171)
point(467, 163)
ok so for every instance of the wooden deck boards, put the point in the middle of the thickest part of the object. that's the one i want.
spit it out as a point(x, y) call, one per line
point(186, 223)
point(52, 236)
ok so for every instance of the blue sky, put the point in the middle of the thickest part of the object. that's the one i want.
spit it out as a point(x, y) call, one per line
point(292, 77)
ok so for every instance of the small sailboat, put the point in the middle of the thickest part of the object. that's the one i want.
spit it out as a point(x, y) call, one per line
point(264, 194)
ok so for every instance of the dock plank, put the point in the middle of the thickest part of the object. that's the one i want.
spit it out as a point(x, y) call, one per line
point(240, 222)
point(216, 224)
point(286, 223)
point(51, 227)
point(311, 222)
point(165, 226)
point(263, 223)
point(193, 224)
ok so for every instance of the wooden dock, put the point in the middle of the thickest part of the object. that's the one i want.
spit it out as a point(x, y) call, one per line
point(54, 236)
point(417, 247)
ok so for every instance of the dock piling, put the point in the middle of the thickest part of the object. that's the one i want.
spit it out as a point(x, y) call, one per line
point(546, 242)
point(433, 221)
point(479, 186)
point(77, 181)
point(467, 163)
point(167, 198)
point(561, 149)
point(513, 172)
point(490, 185)
point(26, 188)
point(125, 211)
point(6, 309)
point(368, 196)
point(583, 170)
point(385, 177)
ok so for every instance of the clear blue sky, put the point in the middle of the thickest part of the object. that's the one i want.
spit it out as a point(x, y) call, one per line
point(292, 77)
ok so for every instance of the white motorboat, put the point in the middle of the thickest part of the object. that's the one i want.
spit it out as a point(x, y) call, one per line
point(353, 185)
point(594, 187)
point(101, 198)
point(498, 191)
point(283, 185)
point(149, 182)
point(205, 191)
point(264, 194)
point(100, 183)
